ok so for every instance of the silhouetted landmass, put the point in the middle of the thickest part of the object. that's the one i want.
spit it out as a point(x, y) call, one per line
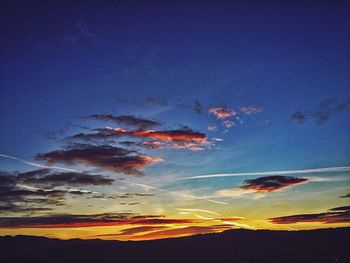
point(326, 245)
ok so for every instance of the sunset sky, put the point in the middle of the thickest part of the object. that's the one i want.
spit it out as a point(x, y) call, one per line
point(137, 121)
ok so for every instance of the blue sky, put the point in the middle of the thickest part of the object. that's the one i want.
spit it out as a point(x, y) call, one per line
point(61, 62)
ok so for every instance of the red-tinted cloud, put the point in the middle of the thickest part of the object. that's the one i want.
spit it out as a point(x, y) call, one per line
point(222, 112)
point(171, 135)
point(115, 159)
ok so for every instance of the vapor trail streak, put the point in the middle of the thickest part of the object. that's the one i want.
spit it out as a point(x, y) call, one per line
point(128, 182)
point(197, 210)
point(35, 164)
point(174, 193)
point(304, 171)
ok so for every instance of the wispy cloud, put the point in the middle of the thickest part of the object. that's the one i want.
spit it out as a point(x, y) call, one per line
point(322, 112)
point(334, 215)
point(129, 120)
point(345, 196)
point(251, 109)
point(270, 173)
point(221, 112)
point(74, 220)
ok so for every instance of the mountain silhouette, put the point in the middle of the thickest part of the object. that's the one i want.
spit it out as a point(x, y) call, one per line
point(323, 245)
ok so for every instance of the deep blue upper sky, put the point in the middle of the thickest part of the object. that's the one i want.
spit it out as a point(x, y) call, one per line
point(226, 87)
point(60, 61)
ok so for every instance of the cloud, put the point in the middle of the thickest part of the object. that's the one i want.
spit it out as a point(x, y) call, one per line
point(36, 164)
point(146, 144)
point(271, 183)
point(178, 139)
point(228, 124)
point(74, 220)
point(212, 128)
point(111, 158)
point(103, 134)
point(198, 108)
point(269, 173)
point(32, 191)
point(49, 178)
point(345, 196)
point(134, 230)
point(340, 208)
point(322, 112)
point(129, 120)
point(197, 210)
point(251, 109)
point(335, 215)
point(222, 112)
point(299, 117)
point(184, 231)
point(184, 135)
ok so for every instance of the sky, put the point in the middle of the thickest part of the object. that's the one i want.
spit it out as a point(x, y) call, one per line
point(135, 121)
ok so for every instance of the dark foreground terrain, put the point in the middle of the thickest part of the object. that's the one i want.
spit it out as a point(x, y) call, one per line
point(328, 245)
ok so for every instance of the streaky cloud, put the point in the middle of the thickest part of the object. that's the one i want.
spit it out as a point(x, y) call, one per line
point(37, 165)
point(285, 172)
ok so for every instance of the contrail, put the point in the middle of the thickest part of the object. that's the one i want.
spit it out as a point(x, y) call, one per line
point(197, 210)
point(174, 193)
point(35, 164)
point(304, 171)
point(128, 182)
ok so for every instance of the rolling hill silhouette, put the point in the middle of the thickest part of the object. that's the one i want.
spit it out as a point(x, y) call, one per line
point(324, 245)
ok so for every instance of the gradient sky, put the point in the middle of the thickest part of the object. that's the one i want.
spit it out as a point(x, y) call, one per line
point(135, 97)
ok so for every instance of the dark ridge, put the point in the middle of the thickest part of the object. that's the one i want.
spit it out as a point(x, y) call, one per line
point(238, 246)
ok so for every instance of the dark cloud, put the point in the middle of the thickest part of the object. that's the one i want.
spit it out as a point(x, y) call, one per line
point(134, 230)
point(131, 203)
point(71, 220)
point(123, 196)
point(184, 231)
point(340, 208)
point(51, 178)
point(345, 196)
point(322, 112)
point(29, 191)
point(103, 134)
point(198, 108)
point(271, 183)
point(336, 215)
point(129, 120)
point(115, 159)
point(13, 208)
point(299, 117)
